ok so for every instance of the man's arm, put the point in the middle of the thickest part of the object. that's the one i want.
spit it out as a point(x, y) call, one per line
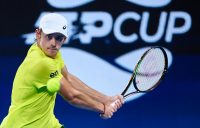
point(78, 98)
point(82, 95)
point(79, 85)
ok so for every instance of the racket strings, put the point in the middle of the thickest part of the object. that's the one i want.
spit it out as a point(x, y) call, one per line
point(150, 70)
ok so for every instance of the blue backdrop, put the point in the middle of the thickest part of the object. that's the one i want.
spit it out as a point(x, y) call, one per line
point(106, 33)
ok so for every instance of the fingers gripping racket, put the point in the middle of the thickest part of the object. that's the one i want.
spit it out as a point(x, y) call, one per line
point(148, 72)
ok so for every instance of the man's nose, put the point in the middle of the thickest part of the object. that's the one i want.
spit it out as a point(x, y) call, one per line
point(53, 42)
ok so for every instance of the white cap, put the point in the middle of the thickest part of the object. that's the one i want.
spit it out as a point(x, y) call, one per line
point(54, 23)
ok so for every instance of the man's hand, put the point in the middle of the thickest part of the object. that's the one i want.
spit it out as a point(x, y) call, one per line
point(112, 105)
point(118, 101)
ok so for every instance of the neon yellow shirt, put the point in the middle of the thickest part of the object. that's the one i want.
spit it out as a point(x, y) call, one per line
point(31, 105)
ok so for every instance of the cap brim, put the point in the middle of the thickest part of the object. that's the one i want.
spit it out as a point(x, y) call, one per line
point(50, 31)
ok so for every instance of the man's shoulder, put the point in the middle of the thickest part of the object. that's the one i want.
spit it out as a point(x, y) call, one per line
point(35, 52)
point(40, 68)
point(35, 57)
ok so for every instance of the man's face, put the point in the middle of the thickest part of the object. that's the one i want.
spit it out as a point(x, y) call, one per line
point(50, 43)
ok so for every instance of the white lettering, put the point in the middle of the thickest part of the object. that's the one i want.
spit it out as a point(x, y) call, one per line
point(144, 28)
point(172, 29)
point(97, 24)
point(117, 27)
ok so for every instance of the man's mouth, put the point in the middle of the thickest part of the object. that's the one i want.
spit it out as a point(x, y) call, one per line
point(53, 49)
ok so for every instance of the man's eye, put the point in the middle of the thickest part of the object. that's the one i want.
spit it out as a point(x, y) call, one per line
point(49, 36)
point(59, 38)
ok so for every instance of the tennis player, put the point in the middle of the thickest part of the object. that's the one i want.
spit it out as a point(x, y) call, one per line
point(42, 74)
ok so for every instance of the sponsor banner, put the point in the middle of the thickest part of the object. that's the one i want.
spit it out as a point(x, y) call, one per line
point(99, 26)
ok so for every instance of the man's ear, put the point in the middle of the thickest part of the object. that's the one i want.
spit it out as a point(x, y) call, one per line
point(38, 33)
point(65, 40)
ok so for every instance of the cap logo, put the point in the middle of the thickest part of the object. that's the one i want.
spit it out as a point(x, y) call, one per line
point(64, 27)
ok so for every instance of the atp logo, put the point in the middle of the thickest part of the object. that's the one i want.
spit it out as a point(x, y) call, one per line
point(86, 26)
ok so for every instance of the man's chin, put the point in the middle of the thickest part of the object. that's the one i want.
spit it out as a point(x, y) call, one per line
point(52, 55)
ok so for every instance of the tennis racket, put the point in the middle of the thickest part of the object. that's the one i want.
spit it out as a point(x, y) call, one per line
point(148, 73)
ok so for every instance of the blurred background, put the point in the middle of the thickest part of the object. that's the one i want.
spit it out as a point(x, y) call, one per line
point(103, 35)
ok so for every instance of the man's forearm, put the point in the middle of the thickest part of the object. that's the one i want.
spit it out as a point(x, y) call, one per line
point(88, 97)
point(79, 98)
point(79, 85)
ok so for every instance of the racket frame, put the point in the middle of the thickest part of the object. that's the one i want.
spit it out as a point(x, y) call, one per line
point(132, 79)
